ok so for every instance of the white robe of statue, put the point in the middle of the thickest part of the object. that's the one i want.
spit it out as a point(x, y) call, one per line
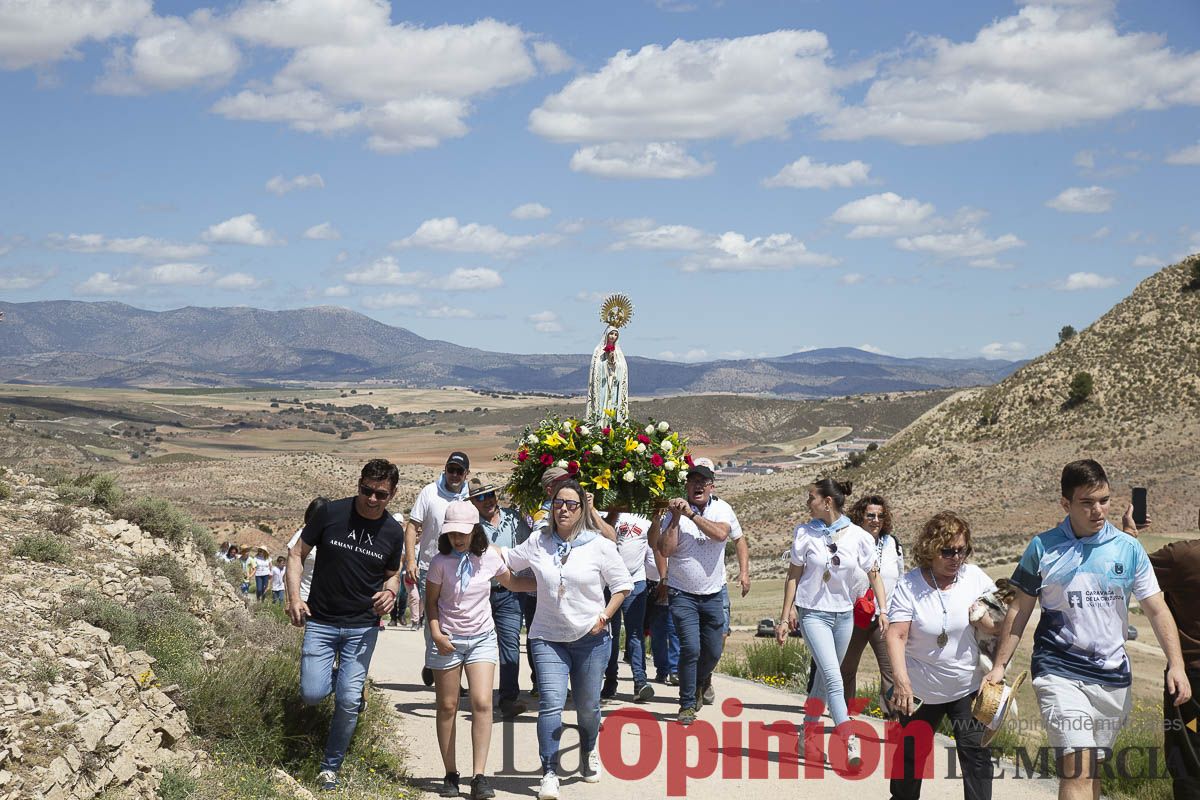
point(608, 381)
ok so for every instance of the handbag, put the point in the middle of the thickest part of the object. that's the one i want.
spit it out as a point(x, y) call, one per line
point(864, 610)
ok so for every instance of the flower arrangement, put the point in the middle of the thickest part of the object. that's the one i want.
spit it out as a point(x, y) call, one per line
point(628, 465)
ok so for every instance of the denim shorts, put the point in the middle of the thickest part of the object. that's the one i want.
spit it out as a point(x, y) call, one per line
point(467, 650)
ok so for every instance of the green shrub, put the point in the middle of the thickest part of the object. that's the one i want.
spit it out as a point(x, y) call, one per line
point(176, 785)
point(767, 661)
point(159, 518)
point(42, 672)
point(96, 609)
point(59, 520)
point(1080, 389)
point(168, 567)
point(42, 547)
point(5, 491)
point(99, 489)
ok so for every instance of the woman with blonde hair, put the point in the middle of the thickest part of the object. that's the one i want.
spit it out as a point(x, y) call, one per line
point(933, 650)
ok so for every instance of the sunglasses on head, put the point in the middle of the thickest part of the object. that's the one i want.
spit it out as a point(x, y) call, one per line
point(954, 552)
point(378, 494)
point(571, 505)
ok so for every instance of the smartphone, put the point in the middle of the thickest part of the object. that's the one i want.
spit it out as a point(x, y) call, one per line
point(1139, 505)
point(916, 700)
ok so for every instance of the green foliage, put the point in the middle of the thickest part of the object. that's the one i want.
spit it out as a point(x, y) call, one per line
point(176, 785)
point(59, 520)
point(1067, 332)
point(163, 520)
point(5, 491)
point(766, 659)
point(44, 547)
point(98, 489)
point(265, 528)
point(989, 415)
point(42, 672)
point(168, 567)
point(1080, 389)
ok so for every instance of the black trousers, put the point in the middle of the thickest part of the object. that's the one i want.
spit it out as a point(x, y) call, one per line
point(1181, 744)
point(974, 760)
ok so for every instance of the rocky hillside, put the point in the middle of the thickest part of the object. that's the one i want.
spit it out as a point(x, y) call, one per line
point(995, 453)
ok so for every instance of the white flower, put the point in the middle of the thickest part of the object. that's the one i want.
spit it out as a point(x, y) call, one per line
point(663, 427)
point(670, 465)
point(628, 476)
point(566, 426)
point(531, 439)
point(562, 464)
point(649, 430)
point(584, 430)
point(641, 448)
point(597, 449)
point(667, 446)
point(683, 474)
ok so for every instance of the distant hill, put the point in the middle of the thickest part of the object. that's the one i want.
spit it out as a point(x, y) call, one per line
point(995, 453)
point(113, 344)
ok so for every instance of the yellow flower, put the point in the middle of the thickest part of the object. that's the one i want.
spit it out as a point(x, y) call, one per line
point(554, 440)
point(631, 445)
point(610, 412)
point(659, 480)
point(601, 481)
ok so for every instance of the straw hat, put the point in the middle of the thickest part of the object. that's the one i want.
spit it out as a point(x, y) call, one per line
point(992, 705)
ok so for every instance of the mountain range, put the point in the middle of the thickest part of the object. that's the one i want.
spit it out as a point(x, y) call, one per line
point(114, 344)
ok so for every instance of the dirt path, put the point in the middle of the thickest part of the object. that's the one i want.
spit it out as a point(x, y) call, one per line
point(513, 758)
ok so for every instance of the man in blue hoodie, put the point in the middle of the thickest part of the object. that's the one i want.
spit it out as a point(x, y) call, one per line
point(1085, 571)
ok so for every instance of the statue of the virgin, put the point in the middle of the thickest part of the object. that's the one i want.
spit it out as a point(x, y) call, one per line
point(608, 378)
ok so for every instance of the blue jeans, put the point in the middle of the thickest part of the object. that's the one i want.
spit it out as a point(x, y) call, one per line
point(261, 582)
point(277, 595)
point(827, 634)
point(583, 661)
point(507, 615)
point(528, 609)
point(353, 648)
point(725, 609)
point(700, 621)
point(633, 613)
point(664, 643)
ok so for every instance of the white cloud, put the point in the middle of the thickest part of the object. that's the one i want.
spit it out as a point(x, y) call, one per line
point(971, 243)
point(385, 272)
point(852, 279)
point(243, 229)
point(545, 322)
point(280, 185)
point(807, 174)
point(1188, 156)
point(870, 348)
point(324, 230)
point(102, 283)
point(45, 31)
point(336, 291)
point(391, 300)
point(449, 312)
point(989, 262)
point(20, 281)
point(142, 246)
point(239, 281)
point(690, 356)
point(181, 274)
point(1148, 262)
point(1080, 281)
point(665, 160)
point(172, 53)
point(746, 88)
point(667, 237)
point(1008, 351)
point(552, 58)
point(1050, 66)
point(447, 234)
point(530, 211)
point(886, 214)
point(733, 252)
point(468, 280)
point(1100, 233)
point(1083, 200)
point(349, 68)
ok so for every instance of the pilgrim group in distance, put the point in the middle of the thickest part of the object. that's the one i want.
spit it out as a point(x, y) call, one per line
point(572, 575)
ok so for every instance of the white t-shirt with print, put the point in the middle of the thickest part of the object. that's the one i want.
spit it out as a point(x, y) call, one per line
point(698, 563)
point(429, 511)
point(810, 549)
point(940, 674)
point(633, 543)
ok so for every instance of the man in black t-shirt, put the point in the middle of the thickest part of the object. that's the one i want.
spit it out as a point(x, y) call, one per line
point(355, 580)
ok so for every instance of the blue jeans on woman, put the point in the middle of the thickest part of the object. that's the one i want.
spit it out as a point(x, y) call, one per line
point(583, 661)
point(700, 621)
point(827, 634)
point(633, 613)
point(353, 648)
point(261, 582)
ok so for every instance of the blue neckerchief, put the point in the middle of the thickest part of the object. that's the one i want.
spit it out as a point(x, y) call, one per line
point(829, 530)
point(465, 568)
point(563, 547)
point(446, 494)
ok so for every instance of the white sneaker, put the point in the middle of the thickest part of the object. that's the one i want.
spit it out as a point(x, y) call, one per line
point(853, 752)
point(549, 788)
point(592, 772)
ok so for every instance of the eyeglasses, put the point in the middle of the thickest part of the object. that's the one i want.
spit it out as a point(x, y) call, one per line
point(571, 505)
point(954, 552)
point(485, 497)
point(378, 494)
point(872, 516)
point(455, 471)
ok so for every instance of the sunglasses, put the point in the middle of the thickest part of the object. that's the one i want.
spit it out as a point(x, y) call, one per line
point(570, 504)
point(836, 560)
point(954, 552)
point(485, 497)
point(378, 494)
point(455, 471)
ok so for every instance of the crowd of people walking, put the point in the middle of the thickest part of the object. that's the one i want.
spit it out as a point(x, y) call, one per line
point(475, 572)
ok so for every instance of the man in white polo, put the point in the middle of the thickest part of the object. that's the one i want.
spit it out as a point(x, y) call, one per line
point(696, 529)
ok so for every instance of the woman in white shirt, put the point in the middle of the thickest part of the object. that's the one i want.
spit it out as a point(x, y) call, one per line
point(571, 565)
point(933, 650)
point(828, 553)
point(873, 515)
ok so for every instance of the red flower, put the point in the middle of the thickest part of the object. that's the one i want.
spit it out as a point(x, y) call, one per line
point(625, 462)
point(643, 438)
point(688, 459)
point(585, 455)
point(572, 467)
point(656, 460)
point(606, 431)
point(522, 455)
point(578, 429)
point(608, 348)
point(547, 459)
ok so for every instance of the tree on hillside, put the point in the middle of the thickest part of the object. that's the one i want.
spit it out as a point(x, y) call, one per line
point(1066, 333)
point(1195, 282)
point(1080, 390)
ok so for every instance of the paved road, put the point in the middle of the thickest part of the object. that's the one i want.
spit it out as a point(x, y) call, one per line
point(670, 750)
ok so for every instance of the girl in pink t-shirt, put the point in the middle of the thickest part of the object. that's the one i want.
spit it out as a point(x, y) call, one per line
point(458, 609)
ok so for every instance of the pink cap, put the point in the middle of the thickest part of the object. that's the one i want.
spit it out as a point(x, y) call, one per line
point(461, 517)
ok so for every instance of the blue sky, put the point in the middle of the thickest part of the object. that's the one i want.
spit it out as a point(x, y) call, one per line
point(919, 178)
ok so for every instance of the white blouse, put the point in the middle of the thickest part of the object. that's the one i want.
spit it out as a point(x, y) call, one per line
point(810, 549)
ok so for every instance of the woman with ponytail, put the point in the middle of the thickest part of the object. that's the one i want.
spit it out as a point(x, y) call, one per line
point(828, 553)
